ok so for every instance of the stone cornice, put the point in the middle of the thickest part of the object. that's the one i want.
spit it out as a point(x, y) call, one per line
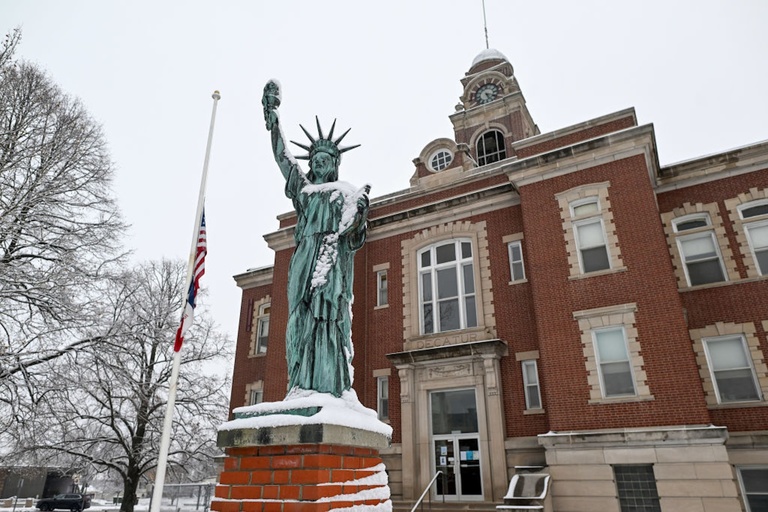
point(475, 202)
point(569, 130)
point(615, 146)
point(254, 277)
point(709, 168)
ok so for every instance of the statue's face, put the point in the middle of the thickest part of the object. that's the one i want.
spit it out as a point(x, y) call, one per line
point(323, 166)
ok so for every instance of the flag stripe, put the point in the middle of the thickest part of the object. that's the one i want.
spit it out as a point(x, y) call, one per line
point(188, 314)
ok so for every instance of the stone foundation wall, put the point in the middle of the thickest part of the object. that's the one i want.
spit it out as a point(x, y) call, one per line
point(690, 465)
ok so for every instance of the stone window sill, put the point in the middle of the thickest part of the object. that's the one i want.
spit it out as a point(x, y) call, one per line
point(598, 273)
point(383, 306)
point(738, 405)
point(621, 400)
point(530, 412)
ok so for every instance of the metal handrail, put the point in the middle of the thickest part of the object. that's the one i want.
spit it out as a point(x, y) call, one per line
point(426, 490)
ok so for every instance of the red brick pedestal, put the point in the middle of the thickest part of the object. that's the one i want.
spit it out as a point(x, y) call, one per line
point(301, 468)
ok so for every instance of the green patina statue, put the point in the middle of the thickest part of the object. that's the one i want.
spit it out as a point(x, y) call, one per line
point(330, 227)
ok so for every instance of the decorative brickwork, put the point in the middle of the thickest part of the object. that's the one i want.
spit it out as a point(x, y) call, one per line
point(301, 478)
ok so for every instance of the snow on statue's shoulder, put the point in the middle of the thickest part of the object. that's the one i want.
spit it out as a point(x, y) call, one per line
point(345, 411)
point(349, 192)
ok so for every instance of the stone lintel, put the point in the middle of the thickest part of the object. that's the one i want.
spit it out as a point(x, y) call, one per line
point(302, 434)
point(656, 436)
point(495, 348)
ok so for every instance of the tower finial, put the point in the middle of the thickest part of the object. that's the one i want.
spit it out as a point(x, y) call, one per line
point(485, 26)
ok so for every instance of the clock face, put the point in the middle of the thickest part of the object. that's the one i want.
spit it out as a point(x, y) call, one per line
point(487, 93)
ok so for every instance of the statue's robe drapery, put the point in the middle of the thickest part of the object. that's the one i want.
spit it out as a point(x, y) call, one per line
point(318, 336)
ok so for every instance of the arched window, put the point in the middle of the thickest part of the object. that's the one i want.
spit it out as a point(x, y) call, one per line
point(447, 286)
point(490, 147)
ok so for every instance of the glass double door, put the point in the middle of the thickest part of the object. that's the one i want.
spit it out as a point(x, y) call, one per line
point(456, 445)
point(458, 458)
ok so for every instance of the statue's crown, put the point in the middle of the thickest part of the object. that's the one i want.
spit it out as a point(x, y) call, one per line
point(322, 143)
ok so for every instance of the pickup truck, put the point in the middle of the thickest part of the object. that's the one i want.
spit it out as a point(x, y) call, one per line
point(72, 502)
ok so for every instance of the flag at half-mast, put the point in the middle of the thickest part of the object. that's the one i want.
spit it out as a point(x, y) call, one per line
point(188, 314)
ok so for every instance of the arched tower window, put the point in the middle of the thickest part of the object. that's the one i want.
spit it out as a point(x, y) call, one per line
point(490, 147)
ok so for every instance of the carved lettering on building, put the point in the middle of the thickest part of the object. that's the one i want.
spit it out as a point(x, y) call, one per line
point(441, 341)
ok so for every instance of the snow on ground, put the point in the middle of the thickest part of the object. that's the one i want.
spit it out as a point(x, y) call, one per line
point(180, 505)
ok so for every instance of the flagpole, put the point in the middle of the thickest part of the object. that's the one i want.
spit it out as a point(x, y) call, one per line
point(165, 441)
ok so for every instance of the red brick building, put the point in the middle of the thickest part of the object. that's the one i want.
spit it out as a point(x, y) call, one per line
point(555, 300)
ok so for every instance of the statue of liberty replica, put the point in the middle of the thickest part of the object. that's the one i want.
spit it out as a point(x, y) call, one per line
point(321, 413)
point(330, 228)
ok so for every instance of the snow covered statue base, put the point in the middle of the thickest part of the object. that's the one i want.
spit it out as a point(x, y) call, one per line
point(310, 452)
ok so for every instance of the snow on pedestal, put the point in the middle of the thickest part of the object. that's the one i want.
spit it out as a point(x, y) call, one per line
point(309, 452)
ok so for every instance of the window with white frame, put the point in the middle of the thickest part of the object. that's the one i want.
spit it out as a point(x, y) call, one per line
point(490, 147)
point(613, 362)
point(516, 268)
point(255, 397)
point(731, 368)
point(262, 329)
point(441, 159)
point(254, 393)
point(447, 286)
point(531, 384)
point(590, 235)
point(382, 394)
point(757, 232)
point(382, 298)
point(699, 250)
point(754, 487)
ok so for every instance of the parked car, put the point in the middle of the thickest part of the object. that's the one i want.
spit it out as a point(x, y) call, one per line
point(72, 502)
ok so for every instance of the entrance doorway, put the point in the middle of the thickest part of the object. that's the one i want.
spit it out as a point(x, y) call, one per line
point(456, 445)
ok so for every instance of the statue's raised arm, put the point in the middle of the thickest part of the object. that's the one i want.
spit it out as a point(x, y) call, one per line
point(270, 100)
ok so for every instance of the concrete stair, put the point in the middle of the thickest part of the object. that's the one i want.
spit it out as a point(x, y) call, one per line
point(439, 506)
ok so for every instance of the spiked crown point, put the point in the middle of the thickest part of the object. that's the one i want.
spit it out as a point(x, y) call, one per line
point(322, 143)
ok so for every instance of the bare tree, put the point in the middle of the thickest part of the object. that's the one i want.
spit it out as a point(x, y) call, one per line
point(59, 227)
point(109, 414)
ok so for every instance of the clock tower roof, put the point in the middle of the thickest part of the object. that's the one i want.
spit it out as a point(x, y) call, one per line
point(486, 59)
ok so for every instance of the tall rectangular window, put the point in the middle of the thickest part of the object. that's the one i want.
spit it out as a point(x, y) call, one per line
point(613, 362)
point(382, 393)
point(754, 486)
point(262, 329)
point(531, 385)
point(636, 488)
point(757, 234)
point(699, 250)
point(593, 252)
point(382, 298)
point(731, 367)
point(516, 269)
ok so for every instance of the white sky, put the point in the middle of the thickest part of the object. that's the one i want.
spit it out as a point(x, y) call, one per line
point(390, 70)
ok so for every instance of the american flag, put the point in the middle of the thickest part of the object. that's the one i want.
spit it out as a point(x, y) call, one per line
point(189, 306)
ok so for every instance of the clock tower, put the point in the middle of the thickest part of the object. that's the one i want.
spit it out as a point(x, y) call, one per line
point(490, 117)
point(492, 101)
